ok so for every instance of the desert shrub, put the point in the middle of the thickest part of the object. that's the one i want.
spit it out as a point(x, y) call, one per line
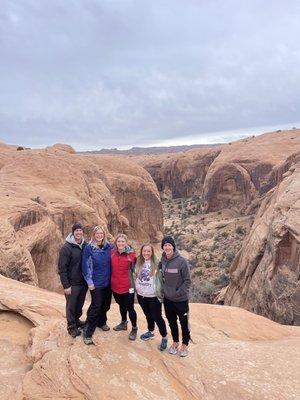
point(207, 264)
point(240, 230)
point(194, 241)
point(203, 291)
point(230, 256)
point(199, 272)
point(222, 280)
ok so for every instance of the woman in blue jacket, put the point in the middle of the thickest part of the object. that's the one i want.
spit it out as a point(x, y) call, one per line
point(96, 269)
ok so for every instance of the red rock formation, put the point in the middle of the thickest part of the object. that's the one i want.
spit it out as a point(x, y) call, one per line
point(265, 274)
point(237, 355)
point(246, 169)
point(232, 177)
point(182, 174)
point(43, 192)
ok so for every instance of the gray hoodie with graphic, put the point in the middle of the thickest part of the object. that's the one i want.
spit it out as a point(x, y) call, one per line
point(177, 278)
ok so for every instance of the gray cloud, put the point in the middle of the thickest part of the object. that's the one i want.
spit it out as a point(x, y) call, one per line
point(108, 73)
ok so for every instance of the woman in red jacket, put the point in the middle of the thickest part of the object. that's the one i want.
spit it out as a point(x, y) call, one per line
point(123, 259)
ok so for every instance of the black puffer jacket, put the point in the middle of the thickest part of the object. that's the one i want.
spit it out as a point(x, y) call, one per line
point(69, 263)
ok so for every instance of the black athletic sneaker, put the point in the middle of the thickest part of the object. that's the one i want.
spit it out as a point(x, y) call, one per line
point(121, 327)
point(132, 334)
point(74, 332)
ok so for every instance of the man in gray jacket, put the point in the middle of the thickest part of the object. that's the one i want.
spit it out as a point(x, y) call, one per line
point(177, 281)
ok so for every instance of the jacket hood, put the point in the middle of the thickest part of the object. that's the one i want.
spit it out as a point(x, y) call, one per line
point(70, 239)
point(175, 255)
point(128, 250)
point(105, 246)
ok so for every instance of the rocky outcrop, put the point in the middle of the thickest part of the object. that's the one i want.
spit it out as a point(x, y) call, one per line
point(234, 176)
point(247, 169)
point(233, 350)
point(182, 174)
point(43, 192)
point(265, 274)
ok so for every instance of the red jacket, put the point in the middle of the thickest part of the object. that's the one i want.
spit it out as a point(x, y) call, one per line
point(121, 271)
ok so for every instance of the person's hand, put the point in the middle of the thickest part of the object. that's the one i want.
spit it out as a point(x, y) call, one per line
point(68, 291)
point(92, 287)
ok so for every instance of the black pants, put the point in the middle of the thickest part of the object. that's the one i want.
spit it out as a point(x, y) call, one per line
point(74, 304)
point(178, 309)
point(96, 313)
point(126, 304)
point(151, 307)
point(105, 308)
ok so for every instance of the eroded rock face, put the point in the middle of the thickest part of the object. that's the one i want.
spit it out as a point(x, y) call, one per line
point(233, 351)
point(247, 169)
point(265, 274)
point(180, 175)
point(43, 192)
point(234, 176)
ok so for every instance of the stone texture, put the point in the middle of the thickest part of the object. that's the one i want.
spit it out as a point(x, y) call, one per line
point(247, 169)
point(181, 174)
point(233, 176)
point(43, 192)
point(236, 355)
point(265, 273)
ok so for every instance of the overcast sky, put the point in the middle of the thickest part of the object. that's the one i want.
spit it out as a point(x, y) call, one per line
point(122, 73)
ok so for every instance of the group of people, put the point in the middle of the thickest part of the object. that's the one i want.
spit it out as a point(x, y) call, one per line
point(107, 269)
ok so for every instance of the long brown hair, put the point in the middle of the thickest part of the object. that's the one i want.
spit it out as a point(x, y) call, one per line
point(140, 260)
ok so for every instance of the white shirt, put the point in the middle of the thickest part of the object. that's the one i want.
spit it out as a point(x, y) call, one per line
point(145, 283)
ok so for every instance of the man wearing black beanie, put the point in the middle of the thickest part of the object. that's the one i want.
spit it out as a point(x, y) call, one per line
point(70, 271)
point(177, 281)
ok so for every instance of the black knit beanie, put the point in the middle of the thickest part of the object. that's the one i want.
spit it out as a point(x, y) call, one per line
point(76, 226)
point(170, 240)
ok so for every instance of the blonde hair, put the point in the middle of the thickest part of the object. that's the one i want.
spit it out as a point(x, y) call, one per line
point(96, 229)
point(140, 260)
point(121, 235)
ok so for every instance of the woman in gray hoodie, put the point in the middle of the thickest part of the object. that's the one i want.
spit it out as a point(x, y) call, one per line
point(177, 281)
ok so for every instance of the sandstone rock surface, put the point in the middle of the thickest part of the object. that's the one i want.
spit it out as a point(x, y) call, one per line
point(265, 274)
point(43, 192)
point(232, 176)
point(237, 355)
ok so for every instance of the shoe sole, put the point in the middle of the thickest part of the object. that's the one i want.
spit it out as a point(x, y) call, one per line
point(146, 339)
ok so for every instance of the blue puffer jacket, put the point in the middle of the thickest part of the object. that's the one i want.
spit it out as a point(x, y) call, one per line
point(96, 264)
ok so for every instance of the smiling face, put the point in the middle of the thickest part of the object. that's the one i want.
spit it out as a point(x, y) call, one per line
point(78, 235)
point(168, 249)
point(147, 252)
point(99, 236)
point(121, 243)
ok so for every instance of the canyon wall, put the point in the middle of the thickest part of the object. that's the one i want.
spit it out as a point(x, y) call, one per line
point(43, 192)
point(265, 274)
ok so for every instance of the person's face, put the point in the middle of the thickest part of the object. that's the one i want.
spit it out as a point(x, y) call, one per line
point(121, 244)
point(78, 234)
point(147, 253)
point(99, 236)
point(168, 249)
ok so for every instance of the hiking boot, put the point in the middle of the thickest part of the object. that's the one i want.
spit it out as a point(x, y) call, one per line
point(74, 332)
point(132, 334)
point(147, 336)
point(104, 328)
point(88, 340)
point(173, 349)
point(163, 344)
point(121, 327)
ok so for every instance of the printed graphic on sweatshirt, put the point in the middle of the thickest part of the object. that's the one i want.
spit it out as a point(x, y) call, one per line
point(145, 282)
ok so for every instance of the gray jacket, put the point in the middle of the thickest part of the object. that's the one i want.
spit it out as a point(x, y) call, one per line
point(177, 278)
